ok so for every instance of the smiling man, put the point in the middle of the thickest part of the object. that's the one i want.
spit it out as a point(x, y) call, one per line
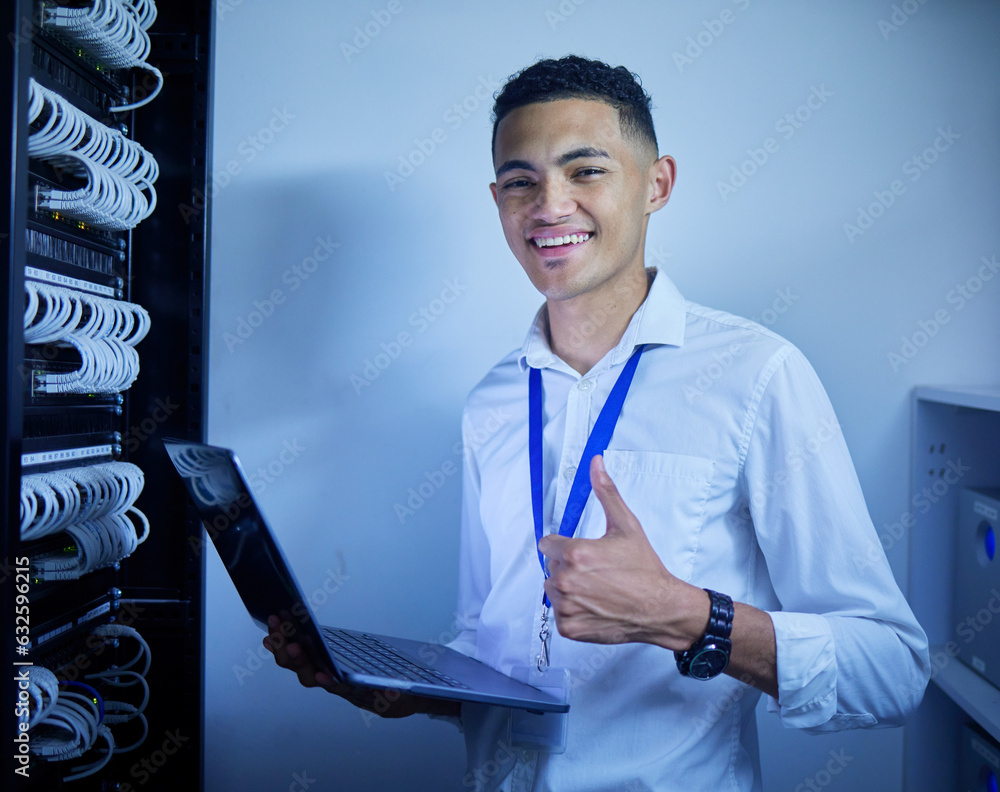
point(720, 556)
point(727, 549)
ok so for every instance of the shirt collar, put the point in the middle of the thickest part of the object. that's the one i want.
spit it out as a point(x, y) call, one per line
point(659, 320)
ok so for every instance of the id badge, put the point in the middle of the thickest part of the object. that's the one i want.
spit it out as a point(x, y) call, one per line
point(547, 731)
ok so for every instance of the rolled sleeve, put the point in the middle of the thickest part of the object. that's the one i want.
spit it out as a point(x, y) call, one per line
point(807, 669)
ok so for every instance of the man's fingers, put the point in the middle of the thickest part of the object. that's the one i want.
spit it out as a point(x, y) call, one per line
point(551, 546)
point(619, 516)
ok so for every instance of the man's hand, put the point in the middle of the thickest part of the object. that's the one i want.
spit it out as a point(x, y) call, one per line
point(386, 703)
point(615, 589)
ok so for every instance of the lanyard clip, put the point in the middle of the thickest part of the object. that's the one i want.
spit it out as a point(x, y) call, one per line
point(542, 662)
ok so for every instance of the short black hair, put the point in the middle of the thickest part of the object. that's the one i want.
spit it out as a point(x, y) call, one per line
point(573, 77)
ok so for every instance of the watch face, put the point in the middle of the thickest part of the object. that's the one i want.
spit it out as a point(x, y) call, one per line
point(710, 661)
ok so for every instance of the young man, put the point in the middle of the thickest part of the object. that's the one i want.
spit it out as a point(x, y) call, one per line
point(728, 548)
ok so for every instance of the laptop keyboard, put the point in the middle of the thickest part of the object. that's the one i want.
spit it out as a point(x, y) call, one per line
point(371, 653)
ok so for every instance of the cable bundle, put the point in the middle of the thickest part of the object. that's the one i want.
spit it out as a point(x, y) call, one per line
point(118, 171)
point(116, 676)
point(66, 724)
point(102, 331)
point(92, 505)
point(53, 501)
point(113, 32)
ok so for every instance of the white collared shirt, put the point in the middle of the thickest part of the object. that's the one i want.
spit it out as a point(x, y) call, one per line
point(729, 453)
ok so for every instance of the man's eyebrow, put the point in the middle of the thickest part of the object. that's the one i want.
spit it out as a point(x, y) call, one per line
point(584, 152)
point(510, 165)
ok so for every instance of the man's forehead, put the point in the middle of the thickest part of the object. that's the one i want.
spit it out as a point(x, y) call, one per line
point(552, 129)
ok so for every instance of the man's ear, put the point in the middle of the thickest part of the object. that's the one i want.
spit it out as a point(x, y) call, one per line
point(493, 189)
point(662, 175)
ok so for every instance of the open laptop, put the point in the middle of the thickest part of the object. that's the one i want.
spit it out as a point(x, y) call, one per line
point(218, 486)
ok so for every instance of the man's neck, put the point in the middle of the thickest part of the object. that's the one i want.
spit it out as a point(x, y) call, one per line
point(582, 330)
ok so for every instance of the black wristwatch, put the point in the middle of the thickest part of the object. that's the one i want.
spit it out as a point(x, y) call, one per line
point(709, 655)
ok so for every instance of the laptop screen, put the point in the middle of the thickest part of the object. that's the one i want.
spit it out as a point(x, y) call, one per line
point(219, 489)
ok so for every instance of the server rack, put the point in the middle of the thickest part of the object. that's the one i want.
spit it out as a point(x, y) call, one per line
point(162, 265)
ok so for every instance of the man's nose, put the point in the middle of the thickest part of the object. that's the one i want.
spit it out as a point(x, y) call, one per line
point(555, 200)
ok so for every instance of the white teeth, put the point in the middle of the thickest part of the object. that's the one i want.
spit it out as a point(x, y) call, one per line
point(571, 239)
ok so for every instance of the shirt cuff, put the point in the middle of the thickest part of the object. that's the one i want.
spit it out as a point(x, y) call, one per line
point(807, 670)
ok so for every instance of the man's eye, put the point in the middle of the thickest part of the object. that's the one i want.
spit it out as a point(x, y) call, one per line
point(517, 183)
point(589, 171)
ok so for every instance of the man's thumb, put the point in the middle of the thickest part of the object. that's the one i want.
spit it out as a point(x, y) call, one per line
point(619, 517)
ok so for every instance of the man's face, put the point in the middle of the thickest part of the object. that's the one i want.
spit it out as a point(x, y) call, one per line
point(566, 175)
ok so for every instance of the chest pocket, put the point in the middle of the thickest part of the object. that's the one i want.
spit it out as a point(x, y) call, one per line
point(668, 493)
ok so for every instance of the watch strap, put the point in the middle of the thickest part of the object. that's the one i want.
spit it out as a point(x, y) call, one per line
point(717, 633)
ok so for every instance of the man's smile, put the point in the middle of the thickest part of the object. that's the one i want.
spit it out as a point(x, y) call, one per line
point(558, 241)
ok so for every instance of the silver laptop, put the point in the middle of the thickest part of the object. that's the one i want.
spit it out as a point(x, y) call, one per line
point(218, 487)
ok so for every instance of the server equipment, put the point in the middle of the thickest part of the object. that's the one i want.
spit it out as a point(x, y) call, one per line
point(979, 761)
point(976, 604)
point(106, 117)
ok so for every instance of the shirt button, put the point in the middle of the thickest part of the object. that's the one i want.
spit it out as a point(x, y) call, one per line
point(527, 756)
point(585, 384)
point(569, 472)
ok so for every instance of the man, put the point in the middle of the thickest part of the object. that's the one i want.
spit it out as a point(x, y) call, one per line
point(726, 552)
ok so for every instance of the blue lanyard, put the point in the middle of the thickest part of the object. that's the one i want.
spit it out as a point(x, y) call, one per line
point(598, 441)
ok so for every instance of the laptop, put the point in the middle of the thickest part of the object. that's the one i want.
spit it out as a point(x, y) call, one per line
point(217, 483)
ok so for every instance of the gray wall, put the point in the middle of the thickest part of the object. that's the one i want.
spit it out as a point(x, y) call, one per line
point(320, 261)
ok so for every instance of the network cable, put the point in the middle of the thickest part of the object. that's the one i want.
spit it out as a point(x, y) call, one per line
point(113, 32)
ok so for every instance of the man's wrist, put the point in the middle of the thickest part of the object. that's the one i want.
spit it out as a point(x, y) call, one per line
point(685, 618)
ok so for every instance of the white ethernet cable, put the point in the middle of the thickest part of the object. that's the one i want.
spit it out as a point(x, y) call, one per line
point(94, 505)
point(72, 722)
point(66, 128)
point(113, 31)
point(98, 543)
point(119, 711)
point(116, 712)
point(103, 332)
point(43, 688)
point(63, 311)
point(118, 171)
point(73, 726)
point(144, 655)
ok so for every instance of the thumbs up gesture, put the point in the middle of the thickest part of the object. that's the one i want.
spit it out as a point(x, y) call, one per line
point(615, 589)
